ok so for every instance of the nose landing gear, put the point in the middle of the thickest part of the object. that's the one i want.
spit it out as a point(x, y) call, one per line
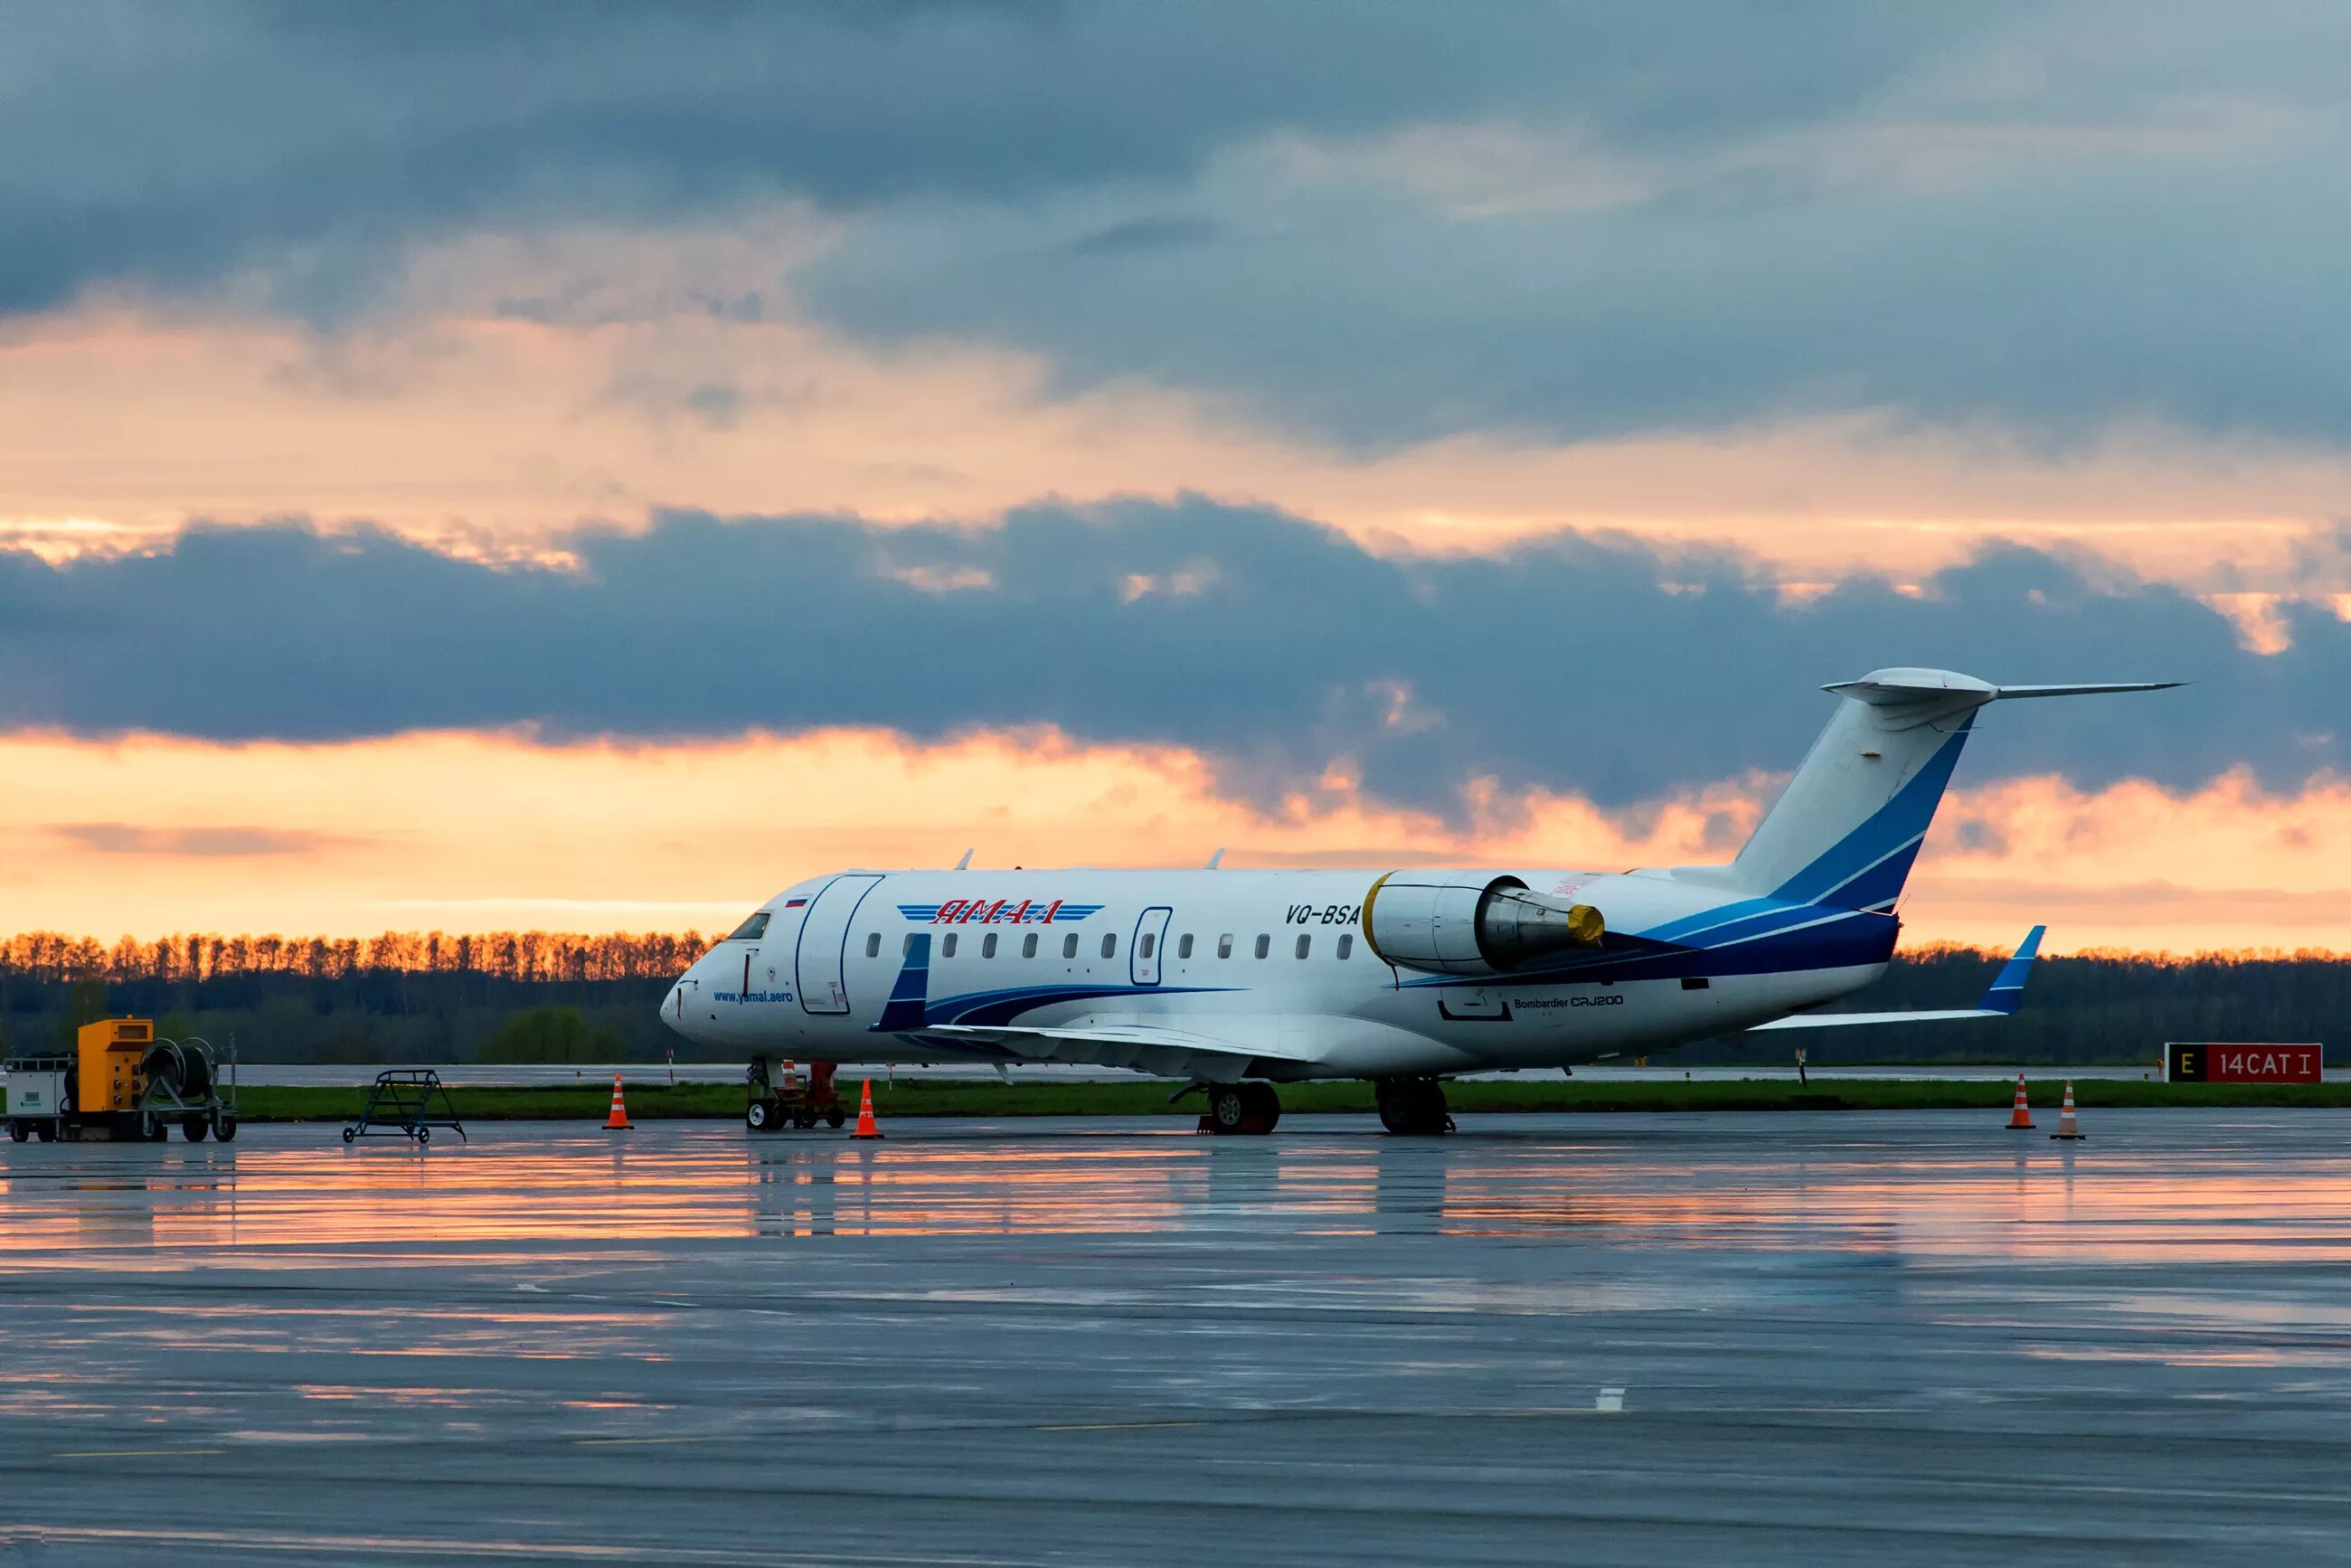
point(770, 1106)
point(1412, 1106)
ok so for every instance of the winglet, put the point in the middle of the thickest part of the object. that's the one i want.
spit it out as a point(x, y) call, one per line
point(964, 863)
point(2008, 987)
point(1216, 860)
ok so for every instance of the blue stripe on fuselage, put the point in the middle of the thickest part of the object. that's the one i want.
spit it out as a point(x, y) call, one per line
point(982, 1008)
point(1840, 939)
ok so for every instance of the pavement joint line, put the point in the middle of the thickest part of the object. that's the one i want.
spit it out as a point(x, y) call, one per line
point(631, 1442)
point(133, 1453)
point(1114, 1426)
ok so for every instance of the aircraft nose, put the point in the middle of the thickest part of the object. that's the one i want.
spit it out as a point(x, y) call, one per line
point(673, 1009)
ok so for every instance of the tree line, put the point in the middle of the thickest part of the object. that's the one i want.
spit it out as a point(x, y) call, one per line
point(49, 958)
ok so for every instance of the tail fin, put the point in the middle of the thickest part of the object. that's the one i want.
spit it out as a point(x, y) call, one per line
point(1847, 826)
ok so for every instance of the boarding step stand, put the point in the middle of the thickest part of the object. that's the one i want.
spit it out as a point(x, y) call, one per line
point(403, 1105)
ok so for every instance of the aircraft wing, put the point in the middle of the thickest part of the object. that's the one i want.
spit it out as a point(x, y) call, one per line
point(2000, 1001)
point(1142, 1047)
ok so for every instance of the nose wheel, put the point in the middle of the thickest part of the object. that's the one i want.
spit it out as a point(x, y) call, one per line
point(1413, 1107)
point(1241, 1108)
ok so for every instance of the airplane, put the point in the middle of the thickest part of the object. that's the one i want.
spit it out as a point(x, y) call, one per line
point(1236, 981)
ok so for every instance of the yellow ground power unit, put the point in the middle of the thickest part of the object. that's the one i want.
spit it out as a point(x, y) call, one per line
point(122, 1080)
point(113, 1072)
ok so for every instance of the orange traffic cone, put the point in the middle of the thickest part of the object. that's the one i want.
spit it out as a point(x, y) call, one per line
point(2019, 1120)
point(617, 1121)
point(865, 1127)
point(2066, 1126)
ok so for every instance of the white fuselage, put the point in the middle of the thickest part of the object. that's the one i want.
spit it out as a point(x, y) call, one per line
point(1277, 957)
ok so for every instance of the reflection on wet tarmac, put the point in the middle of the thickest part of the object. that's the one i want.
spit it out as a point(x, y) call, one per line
point(1659, 1180)
point(1836, 1330)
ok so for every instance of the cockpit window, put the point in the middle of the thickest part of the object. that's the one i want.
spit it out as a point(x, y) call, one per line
point(751, 930)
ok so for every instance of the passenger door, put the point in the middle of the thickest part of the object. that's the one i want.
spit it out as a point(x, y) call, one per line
point(1143, 954)
point(821, 967)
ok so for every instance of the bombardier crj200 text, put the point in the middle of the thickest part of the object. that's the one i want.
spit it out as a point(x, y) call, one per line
point(1238, 980)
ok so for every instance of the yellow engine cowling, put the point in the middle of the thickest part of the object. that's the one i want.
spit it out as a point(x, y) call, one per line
point(109, 1054)
point(1471, 922)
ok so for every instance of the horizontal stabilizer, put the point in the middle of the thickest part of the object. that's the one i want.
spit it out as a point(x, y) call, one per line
point(2007, 691)
point(2000, 1001)
point(1892, 688)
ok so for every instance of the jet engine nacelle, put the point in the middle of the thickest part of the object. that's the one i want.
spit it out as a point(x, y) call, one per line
point(1470, 923)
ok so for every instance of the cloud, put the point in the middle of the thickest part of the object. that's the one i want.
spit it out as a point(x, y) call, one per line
point(1381, 227)
point(2056, 266)
point(168, 145)
point(200, 843)
point(1293, 657)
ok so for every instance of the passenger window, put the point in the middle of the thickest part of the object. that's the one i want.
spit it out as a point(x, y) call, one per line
point(1347, 944)
point(987, 945)
point(1029, 946)
point(751, 930)
point(1225, 946)
point(1304, 942)
point(947, 947)
point(1183, 945)
point(873, 946)
point(1110, 944)
point(1150, 944)
point(1264, 944)
point(1069, 946)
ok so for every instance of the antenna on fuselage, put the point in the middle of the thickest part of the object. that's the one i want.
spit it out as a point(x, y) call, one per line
point(964, 863)
point(1214, 860)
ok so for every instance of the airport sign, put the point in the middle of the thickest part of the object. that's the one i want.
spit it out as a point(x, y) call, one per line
point(2209, 1061)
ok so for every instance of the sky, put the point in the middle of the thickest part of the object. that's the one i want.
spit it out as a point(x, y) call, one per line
point(489, 464)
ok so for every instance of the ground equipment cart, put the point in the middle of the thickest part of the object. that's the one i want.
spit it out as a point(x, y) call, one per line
point(406, 1103)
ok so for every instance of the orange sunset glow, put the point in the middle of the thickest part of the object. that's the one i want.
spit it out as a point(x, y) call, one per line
point(463, 832)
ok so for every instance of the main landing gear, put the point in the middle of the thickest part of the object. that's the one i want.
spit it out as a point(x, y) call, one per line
point(1241, 1108)
point(1412, 1105)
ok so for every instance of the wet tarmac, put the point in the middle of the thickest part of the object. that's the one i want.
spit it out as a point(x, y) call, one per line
point(1785, 1338)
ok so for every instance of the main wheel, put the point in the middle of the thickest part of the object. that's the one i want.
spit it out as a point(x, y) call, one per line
point(1227, 1107)
point(759, 1116)
point(193, 1128)
point(224, 1126)
point(1261, 1106)
point(1413, 1106)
